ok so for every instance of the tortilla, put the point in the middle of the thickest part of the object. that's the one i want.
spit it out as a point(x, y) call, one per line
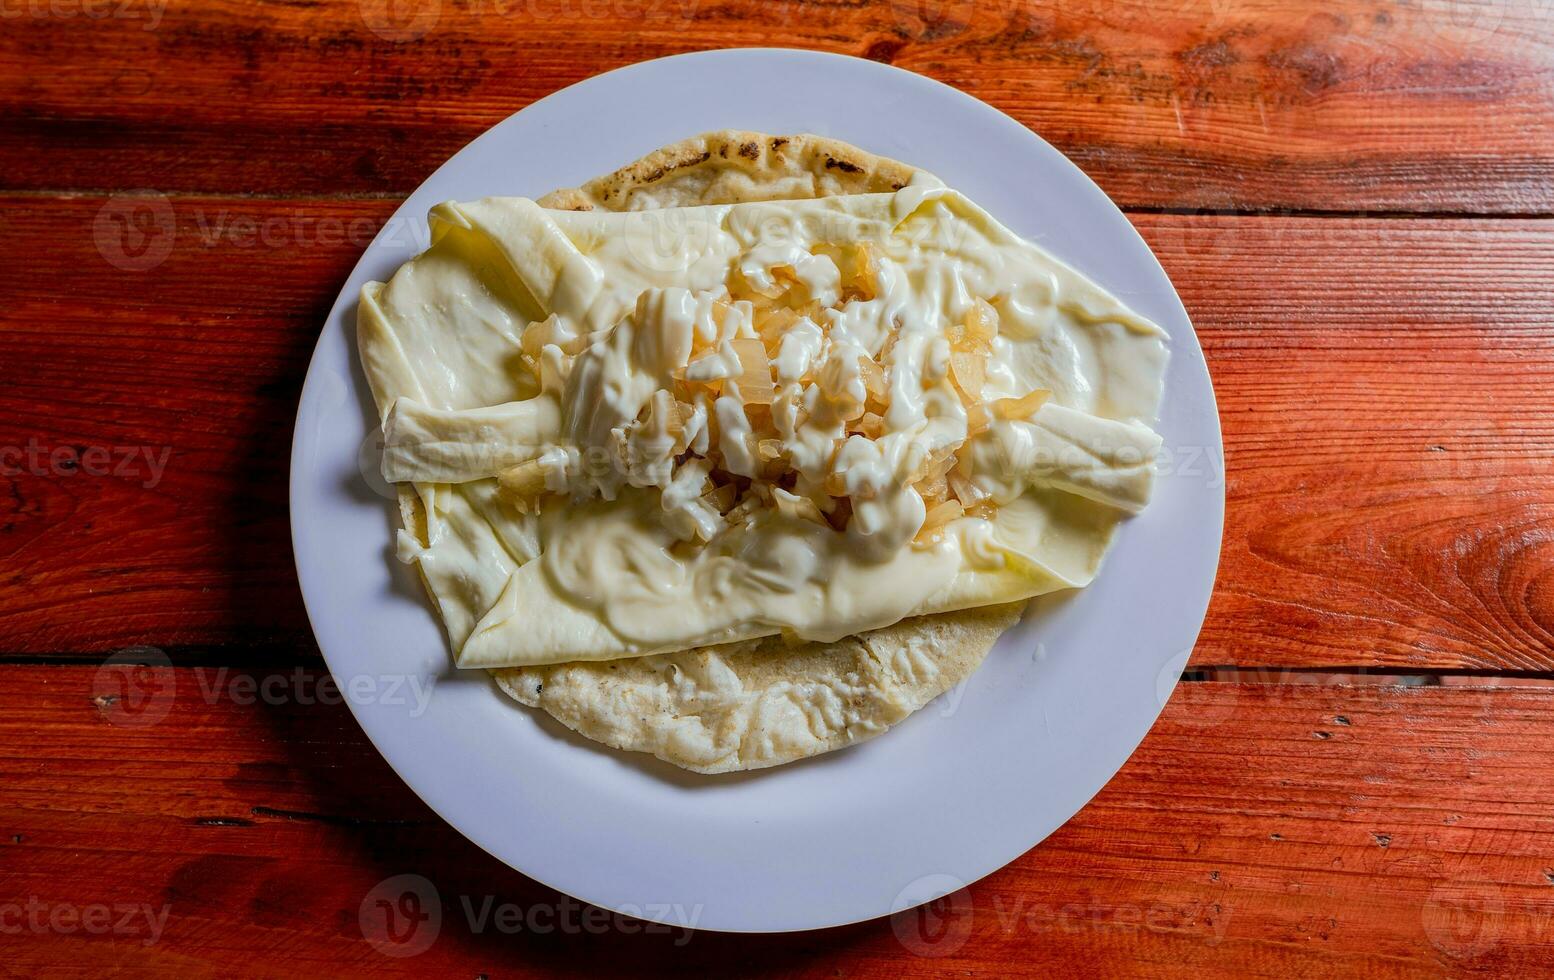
point(759, 703)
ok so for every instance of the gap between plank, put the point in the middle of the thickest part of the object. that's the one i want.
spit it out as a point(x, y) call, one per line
point(263, 659)
point(1362, 676)
point(141, 192)
point(1335, 213)
point(280, 655)
point(1140, 209)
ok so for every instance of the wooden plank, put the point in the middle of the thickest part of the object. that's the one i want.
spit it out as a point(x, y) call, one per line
point(167, 390)
point(1382, 385)
point(1390, 451)
point(1261, 830)
point(1434, 105)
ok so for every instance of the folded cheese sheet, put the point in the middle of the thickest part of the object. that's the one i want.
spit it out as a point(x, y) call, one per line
point(641, 432)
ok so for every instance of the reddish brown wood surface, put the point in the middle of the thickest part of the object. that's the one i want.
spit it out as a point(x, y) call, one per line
point(1389, 445)
point(1353, 199)
point(1328, 105)
point(1298, 827)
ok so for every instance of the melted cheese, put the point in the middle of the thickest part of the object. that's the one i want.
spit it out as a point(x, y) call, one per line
point(630, 557)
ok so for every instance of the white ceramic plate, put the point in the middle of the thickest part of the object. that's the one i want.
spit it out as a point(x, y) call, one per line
point(955, 792)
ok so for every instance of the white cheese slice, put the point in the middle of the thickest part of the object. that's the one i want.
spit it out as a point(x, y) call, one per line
point(608, 578)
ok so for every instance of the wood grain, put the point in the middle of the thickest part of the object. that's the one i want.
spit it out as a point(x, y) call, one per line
point(1390, 456)
point(183, 344)
point(1261, 830)
point(1430, 105)
point(1382, 386)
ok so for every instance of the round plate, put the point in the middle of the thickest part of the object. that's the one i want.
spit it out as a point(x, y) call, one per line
point(957, 790)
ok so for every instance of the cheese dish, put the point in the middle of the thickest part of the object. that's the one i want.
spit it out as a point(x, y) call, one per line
point(754, 451)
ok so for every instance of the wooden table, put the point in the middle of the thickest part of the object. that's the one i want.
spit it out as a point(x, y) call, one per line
point(1353, 198)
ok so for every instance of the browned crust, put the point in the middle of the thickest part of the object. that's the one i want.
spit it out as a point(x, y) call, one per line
point(731, 166)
